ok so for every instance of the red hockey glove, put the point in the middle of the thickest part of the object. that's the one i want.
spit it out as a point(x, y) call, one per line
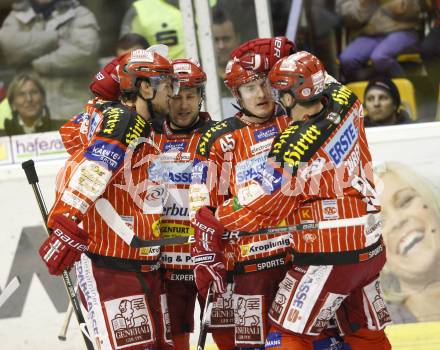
point(207, 252)
point(209, 268)
point(269, 49)
point(105, 83)
point(64, 246)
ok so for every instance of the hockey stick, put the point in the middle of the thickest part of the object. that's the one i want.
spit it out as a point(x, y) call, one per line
point(9, 290)
point(115, 222)
point(65, 326)
point(204, 325)
point(32, 177)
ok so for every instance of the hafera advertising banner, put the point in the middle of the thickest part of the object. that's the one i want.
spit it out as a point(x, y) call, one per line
point(407, 168)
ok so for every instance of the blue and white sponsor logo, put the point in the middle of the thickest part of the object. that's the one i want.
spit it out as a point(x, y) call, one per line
point(177, 173)
point(250, 169)
point(174, 146)
point(330, 343)
point(102, 151)
point(273, 340)
point(270, 179)
point(264, 134)
point(343, 141)
point(94, 122)
point(80, 117)
point(199, 172)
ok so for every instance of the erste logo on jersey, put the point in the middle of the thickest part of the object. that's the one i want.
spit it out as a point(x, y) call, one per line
point(342, 142)
point(250, 169)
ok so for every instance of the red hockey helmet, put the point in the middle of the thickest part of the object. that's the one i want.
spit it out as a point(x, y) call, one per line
point(236, 75)
point(189, 73)
point(302, 74)
point(142, 64)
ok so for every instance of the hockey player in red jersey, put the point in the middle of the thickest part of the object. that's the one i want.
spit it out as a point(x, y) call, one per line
point(318, 176)
point(228, 158)
point(176, 137)
point(120, 286)
point(78, 130)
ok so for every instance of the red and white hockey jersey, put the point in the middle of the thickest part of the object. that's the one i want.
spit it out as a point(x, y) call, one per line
point(107, 167)
point(319, 169)
point(229, 157)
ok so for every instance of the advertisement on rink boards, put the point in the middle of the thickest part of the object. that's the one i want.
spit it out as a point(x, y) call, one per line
point(407, 168)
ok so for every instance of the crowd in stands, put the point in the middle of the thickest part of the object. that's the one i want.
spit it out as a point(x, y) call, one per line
point(50, 50)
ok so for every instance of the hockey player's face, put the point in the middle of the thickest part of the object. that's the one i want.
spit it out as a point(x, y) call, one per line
point(28, 101)
point(411, 230)
point(256, 97)
point(164, 91)
point(184, 107)
point(379, 105)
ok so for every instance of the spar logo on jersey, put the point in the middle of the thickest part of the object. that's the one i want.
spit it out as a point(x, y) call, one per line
point(178, 146)
point(102, 151)
point(342, 142)
point(261, 135)
point(250, 169)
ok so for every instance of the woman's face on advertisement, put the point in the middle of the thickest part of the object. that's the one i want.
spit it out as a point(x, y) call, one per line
point(411, 229)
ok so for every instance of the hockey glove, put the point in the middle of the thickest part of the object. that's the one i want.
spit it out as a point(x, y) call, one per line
point(64, 246)
point(105, 83)
point(207, 253)
point(270, 50)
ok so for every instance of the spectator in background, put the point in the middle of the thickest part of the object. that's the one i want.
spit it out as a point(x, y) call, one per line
point(27, 99)
point(384, 29)
point(57, 39)
point(383, 104)
point(159, 22)
point(411, 231)
point(226, 40)
point(130, 42)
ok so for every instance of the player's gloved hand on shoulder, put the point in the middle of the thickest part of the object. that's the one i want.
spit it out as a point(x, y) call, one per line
point(64, 246)
point(207, 252)
point(267, 51)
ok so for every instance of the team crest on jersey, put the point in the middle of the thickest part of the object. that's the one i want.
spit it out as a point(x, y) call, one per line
point(130, 321)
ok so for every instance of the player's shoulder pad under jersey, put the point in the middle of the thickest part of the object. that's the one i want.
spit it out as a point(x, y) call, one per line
point(216, 130)
point(340, 98)
point(123, 124)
